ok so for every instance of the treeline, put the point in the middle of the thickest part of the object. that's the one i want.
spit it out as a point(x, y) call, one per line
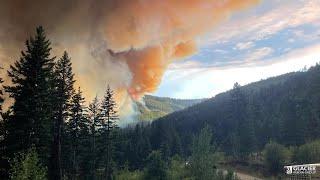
point(48, 132)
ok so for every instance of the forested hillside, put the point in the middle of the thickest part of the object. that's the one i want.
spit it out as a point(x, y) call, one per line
point(278, 117)
point(285, 109)
point(153, 107)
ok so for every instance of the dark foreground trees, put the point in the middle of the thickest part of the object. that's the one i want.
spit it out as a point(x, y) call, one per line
point(77, 131)
point(108, 119)
point(30, 123)
point(50, 118)
point(64, 80)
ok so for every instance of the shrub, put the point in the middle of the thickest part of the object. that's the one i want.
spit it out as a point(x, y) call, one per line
point(177, 169)
point(308, 153)
point(125, 174)
point(275, 157)
point(156, 167)
point(26, 166)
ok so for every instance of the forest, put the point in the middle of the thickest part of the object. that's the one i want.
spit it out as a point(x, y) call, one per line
point(49, 131)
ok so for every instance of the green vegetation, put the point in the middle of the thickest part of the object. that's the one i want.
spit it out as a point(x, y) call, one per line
point(177, 169)
point(202, 163)
point(156, 167)
point(26, 166)
point(156, 107)
point(308, 153)
point(125, 174)
point(276, 156)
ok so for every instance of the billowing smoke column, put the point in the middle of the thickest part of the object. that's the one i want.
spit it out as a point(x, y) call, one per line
point(125, 43)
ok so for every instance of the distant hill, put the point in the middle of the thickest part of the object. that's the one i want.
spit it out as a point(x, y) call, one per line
point(153, 107)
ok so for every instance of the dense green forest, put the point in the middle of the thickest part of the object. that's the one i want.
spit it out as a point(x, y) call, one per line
point(49, 132)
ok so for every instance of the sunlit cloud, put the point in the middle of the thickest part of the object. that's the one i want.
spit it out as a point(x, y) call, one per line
point(277, 37)
point(258, 54)
point(205, 81)
point(244, 45)
point(254, 26)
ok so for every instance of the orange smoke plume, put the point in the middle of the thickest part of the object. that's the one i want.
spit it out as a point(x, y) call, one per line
point(153, 33)
point(125, 43)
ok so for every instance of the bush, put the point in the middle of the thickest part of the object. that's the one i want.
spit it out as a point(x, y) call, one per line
point(156, 167)
point(275, 157)
point(177, 169)
point(308, 153)
point(26, 166)
point(125, 174)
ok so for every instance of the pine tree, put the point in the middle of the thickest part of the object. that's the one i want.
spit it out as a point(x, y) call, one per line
point(64, 91)
point(32, 91)
point(108, 118)
point(93, 116)
point(77, 128)
point(239, 117)
point(202, 161)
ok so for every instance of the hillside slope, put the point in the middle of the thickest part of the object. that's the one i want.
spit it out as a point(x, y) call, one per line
point(154, 107)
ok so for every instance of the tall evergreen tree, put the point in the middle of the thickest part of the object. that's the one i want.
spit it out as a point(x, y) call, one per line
point(32, 91)
point(93, 115)
point(64, 91)
point(77, 128)
point(108, 118)
point(202, 161)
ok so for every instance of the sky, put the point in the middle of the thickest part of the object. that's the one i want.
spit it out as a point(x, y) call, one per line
point(272, 38)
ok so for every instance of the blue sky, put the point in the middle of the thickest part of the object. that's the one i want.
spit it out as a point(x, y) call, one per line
point(273, 38)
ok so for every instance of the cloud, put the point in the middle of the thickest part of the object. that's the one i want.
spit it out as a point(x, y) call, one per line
point(254, 51)
point(258, 54)
point(256, 26)
point(206, 81)
point(291, 40)
point(245, 45)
